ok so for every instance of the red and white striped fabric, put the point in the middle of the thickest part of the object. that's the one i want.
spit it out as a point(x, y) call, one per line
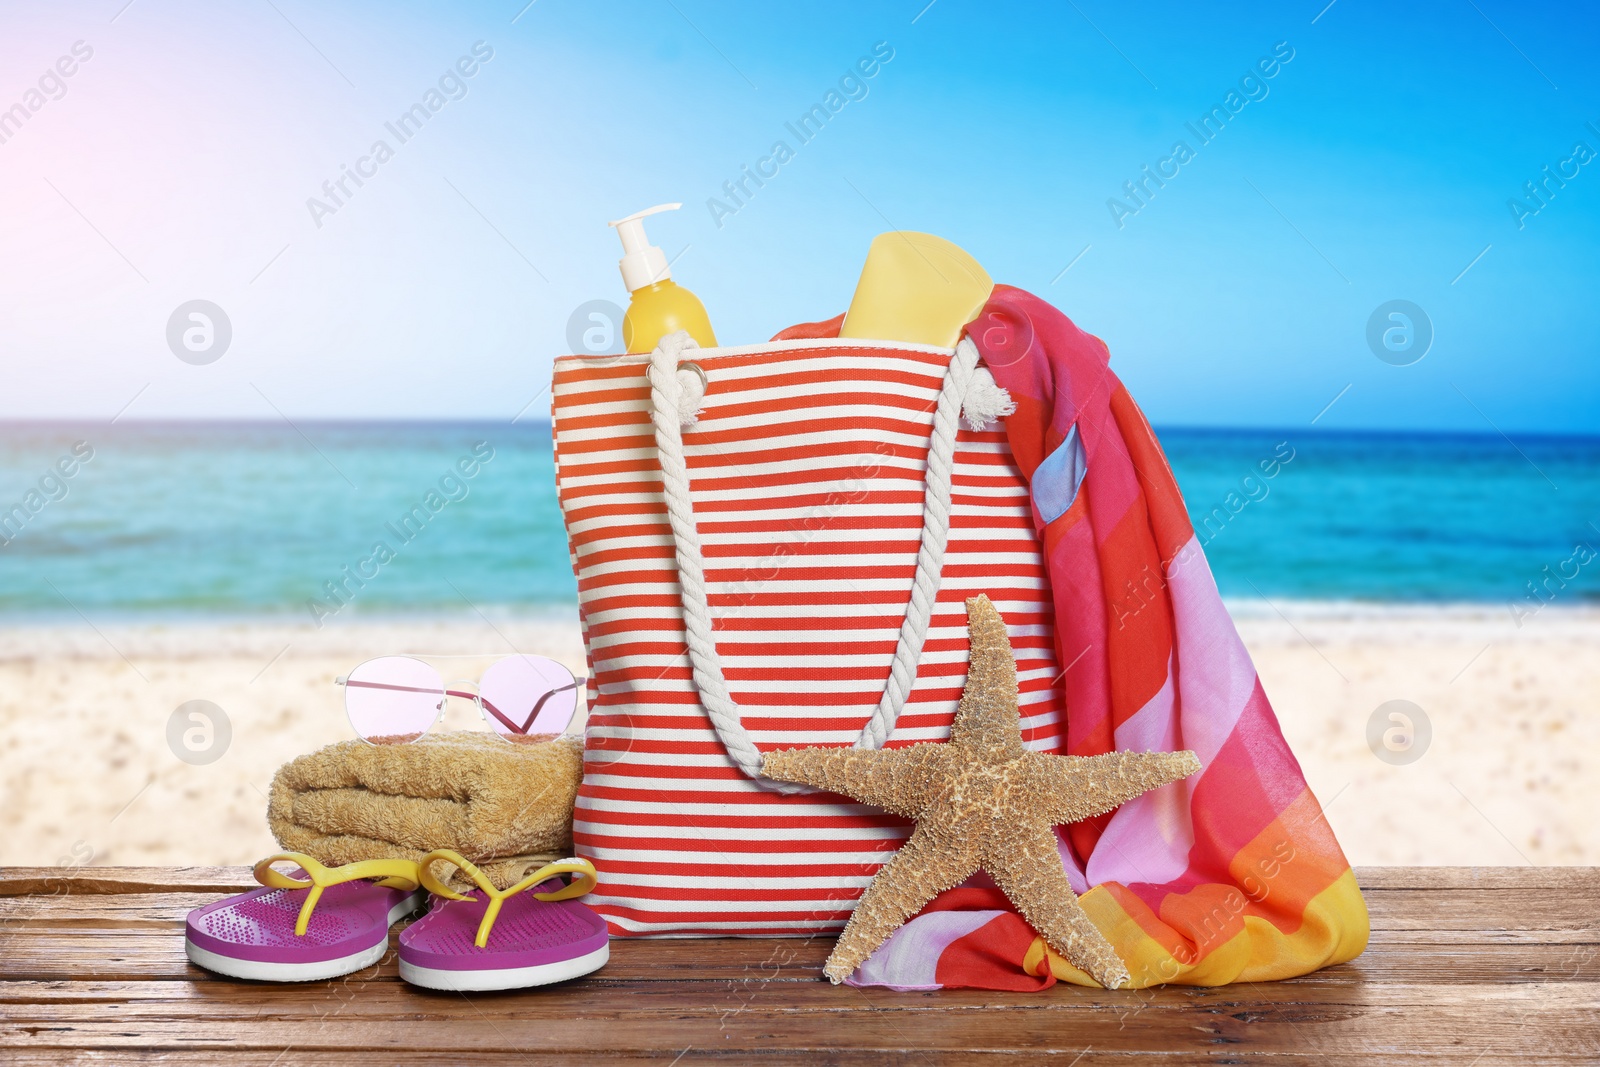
point(806, 469)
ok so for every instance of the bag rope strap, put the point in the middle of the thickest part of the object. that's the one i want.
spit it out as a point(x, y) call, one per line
point(665, 392)
point(392, 874)
point(587, 879)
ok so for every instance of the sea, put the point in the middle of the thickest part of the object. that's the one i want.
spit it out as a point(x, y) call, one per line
point(228, 519)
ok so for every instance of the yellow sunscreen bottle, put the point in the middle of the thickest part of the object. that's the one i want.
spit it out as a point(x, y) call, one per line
point(918, 288)
point(659, 306)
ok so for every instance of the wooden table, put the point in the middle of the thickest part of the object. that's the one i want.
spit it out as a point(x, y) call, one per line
point(1466, 966)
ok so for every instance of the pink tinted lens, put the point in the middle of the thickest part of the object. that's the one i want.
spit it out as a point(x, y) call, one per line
point(393, 700)
point(525, 695)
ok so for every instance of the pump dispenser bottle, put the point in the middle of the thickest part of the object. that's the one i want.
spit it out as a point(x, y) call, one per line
point(659, 306)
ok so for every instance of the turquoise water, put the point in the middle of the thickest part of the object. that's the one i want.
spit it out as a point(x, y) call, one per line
point(247, 519)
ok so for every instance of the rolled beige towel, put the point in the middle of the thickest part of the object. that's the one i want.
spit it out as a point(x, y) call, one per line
point(506, 807)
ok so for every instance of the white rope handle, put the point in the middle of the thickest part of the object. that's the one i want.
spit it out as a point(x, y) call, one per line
point(665, 388)
point(930, 554)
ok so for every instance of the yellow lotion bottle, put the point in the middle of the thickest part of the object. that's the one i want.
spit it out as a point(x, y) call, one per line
point(659, 306)
point(916, 287)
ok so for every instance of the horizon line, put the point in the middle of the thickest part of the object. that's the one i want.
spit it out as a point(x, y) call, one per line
point(544, 422)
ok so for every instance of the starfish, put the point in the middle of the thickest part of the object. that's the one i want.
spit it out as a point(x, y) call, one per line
point(981, 802)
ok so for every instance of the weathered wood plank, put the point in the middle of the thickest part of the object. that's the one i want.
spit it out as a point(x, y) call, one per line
point(163, 961)
point(1388, 907)
point(692, 1056)
point(1473, 909)
point(147, 950)
point(365, 996)
point(1487, 1021)
point(18, 880)
point(1433, 879)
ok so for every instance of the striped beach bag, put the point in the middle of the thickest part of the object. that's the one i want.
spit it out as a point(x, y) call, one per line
point(773, 545)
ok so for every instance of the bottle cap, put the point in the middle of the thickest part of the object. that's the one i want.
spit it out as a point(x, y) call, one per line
point(642, 263)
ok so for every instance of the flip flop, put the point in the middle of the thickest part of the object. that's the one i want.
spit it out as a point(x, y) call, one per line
point(330, 923)
point(504, 938)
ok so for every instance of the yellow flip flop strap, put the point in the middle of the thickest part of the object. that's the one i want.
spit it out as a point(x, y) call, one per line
point(587, 879)
point(392, 874)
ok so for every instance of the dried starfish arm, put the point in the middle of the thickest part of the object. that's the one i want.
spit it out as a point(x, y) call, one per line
point(1072, 788)
point(1027, 868)
point(897, 780)
point(926, 865)
point(986, 720)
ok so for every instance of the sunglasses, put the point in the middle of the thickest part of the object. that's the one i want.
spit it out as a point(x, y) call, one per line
point(393, 700)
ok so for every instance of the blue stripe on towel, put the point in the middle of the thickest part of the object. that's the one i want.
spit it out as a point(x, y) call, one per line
point(1055, 483)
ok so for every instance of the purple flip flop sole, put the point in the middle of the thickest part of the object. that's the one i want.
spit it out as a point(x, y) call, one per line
point(533, 942)
point(252, 936)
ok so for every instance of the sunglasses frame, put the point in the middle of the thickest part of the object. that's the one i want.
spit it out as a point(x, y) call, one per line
point(485, 708)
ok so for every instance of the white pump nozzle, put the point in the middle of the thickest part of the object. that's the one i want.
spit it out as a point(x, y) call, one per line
point(642, 263)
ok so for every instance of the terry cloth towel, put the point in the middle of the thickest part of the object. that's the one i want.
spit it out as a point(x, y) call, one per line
point(1232, 875)
point(507, 804)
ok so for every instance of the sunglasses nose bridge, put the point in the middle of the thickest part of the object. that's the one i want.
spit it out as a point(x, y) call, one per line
point(465, 688)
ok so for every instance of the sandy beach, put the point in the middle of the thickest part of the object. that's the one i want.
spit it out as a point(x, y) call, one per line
point(89, 775)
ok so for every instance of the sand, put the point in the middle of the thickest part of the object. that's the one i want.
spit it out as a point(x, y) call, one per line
point(87, 773)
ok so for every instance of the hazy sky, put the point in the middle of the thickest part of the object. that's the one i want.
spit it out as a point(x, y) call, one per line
point(176, 162)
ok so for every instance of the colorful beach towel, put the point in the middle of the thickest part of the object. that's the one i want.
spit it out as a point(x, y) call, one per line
point(1233, 875)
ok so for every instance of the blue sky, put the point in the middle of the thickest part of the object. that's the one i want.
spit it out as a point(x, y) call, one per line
point(1374, 165)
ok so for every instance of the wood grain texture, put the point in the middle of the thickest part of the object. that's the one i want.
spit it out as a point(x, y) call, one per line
point(1465, 965)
